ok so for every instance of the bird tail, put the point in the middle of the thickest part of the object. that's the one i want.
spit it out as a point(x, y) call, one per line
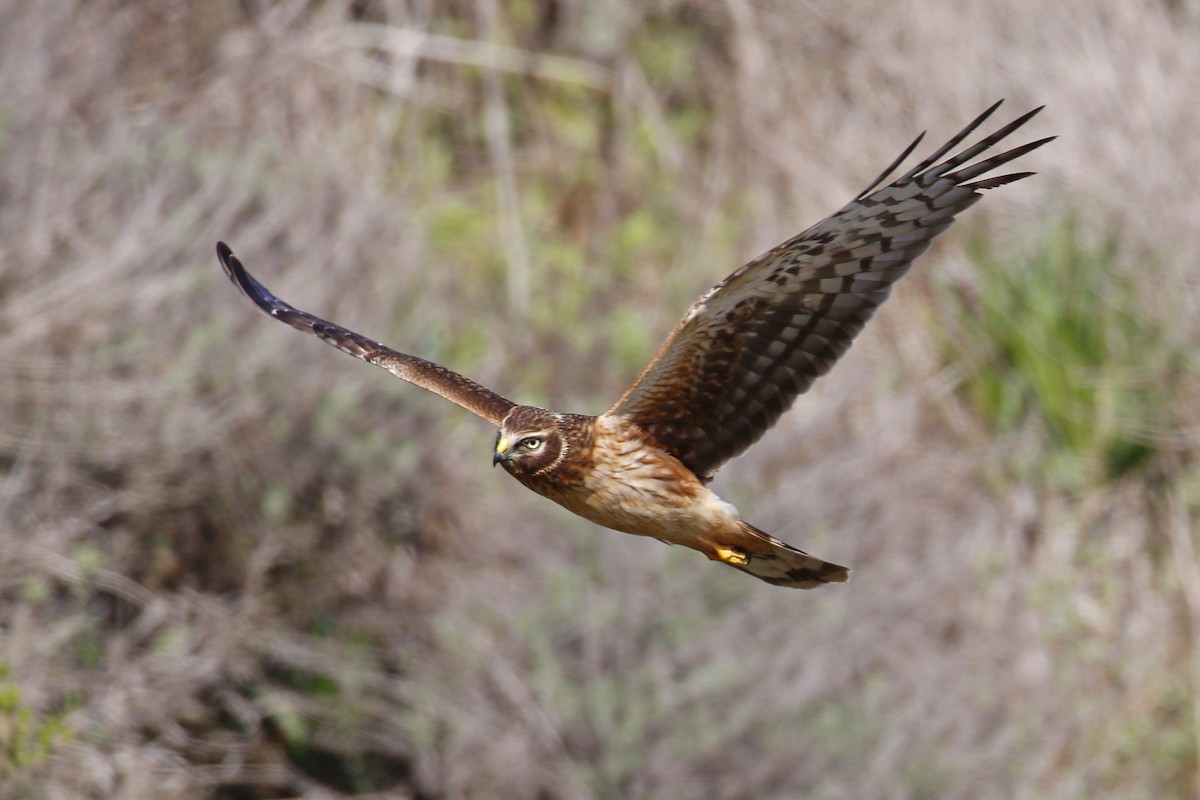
point(775, 562)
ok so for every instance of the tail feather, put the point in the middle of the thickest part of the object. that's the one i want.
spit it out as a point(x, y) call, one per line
point(780, 564)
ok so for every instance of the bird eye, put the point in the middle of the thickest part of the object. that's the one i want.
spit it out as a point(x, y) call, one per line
point(531, 443)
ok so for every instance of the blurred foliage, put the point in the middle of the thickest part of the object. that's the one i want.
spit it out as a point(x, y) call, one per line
point(27, 736)
point(1053, 337)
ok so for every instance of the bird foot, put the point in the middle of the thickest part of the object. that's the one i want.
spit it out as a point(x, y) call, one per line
point(732, 555)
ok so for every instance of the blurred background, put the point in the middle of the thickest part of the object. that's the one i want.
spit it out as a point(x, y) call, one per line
point(235, 563)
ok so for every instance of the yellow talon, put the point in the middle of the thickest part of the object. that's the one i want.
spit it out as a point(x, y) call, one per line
point(734, 556)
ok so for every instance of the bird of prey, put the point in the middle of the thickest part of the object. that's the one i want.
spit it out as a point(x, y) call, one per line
point(735, 362)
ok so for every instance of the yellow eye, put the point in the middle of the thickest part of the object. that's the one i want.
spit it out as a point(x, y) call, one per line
point(531, 443)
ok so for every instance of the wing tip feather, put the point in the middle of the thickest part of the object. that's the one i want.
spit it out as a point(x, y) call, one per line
point(241, 278)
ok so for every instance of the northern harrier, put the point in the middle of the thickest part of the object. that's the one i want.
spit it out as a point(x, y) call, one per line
point(735, 362)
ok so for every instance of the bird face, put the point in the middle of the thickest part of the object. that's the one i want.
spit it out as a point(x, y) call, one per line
point(528, 443)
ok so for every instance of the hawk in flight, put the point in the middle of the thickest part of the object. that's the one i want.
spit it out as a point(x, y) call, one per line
point(735, 362)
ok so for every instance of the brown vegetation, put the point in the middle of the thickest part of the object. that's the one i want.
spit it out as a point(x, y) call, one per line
point(237, 564)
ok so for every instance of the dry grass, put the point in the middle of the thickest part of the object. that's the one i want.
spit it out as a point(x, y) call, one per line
point(236, 564)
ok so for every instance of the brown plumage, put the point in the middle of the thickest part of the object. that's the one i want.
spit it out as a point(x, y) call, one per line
point(734, 363)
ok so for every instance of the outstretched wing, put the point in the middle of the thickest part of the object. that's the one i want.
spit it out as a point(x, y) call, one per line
point(751, 344)
point(426, 374)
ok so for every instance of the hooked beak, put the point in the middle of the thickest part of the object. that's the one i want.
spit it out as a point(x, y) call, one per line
point(501, 453)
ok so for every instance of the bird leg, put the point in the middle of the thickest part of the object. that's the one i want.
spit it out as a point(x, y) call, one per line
point(734, 556)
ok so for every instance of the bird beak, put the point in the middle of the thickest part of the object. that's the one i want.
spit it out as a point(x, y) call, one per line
point(501, 453)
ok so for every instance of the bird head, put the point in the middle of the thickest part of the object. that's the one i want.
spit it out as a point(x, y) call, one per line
point(529, 442)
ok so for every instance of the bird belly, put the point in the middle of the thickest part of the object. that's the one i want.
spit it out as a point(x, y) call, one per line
point(645, 492)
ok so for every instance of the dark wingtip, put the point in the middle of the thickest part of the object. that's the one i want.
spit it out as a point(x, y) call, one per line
point(229, 262)
point(246, 282)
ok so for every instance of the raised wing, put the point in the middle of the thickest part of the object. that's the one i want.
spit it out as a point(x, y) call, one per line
point(436, 378)
point(751, 344)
